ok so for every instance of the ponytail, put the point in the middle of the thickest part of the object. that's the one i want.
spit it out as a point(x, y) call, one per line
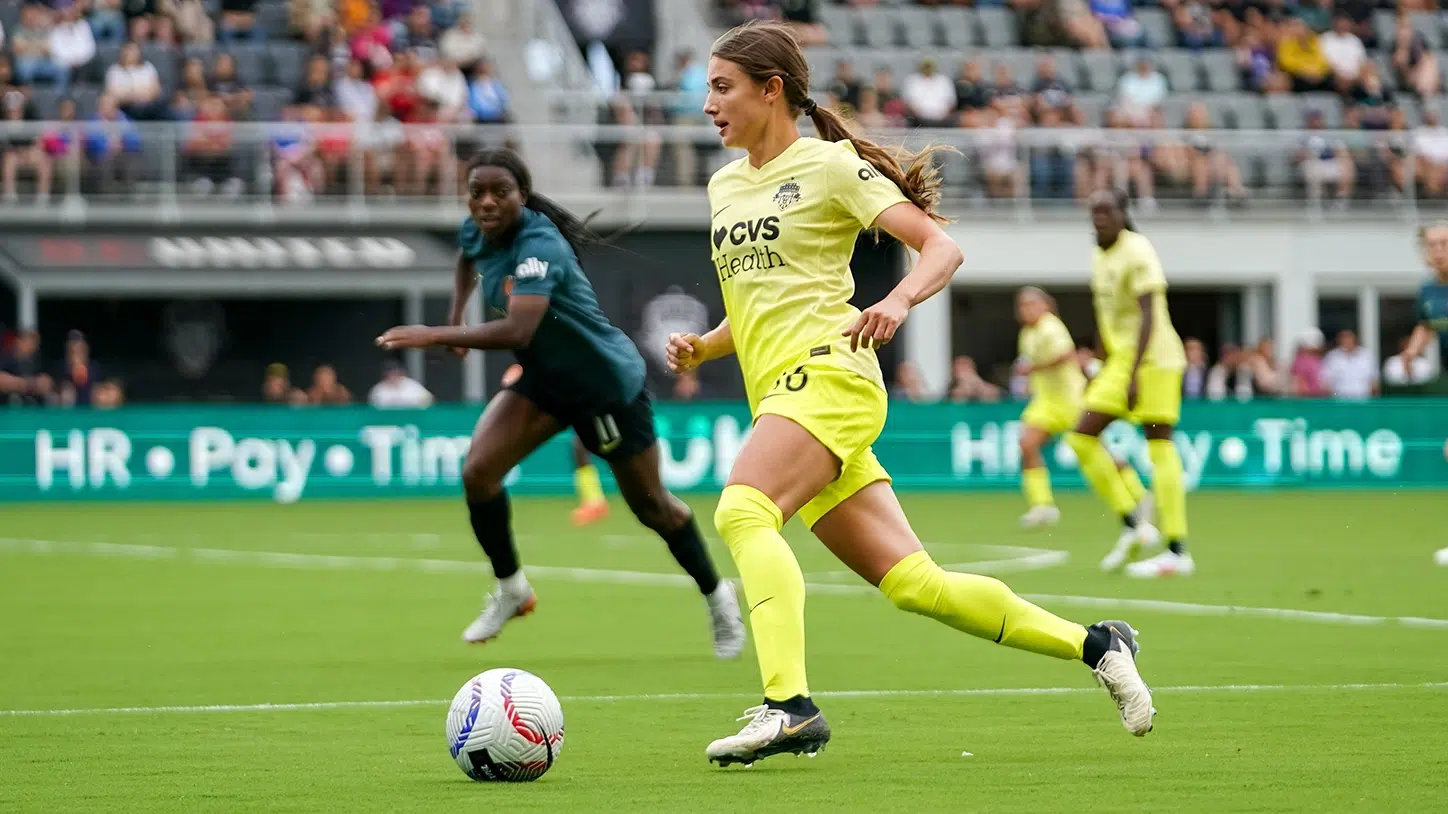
point(915, 173)
point(768, 50)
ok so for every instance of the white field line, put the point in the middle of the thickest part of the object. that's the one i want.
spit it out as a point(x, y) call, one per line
point(331, 562)
point(711, 696)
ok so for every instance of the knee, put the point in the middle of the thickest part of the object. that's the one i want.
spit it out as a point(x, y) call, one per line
point(742, 508)
point(480, 481)
point(914, 585)
point(1079, 442)
point(659, 513)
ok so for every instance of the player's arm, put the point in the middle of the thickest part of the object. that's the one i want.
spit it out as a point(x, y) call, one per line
point(688, 351)
point(939, 258)
point(1417, 342)
point(513, 332)
point(1146, 282)
point(464, 281)
point(1050, 363)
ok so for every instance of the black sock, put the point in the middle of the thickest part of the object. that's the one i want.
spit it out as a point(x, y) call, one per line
point(492, 525)
point(1177, 546)
point(1098, 641)
point(800, 706)
point(687, 546)
point(1129, 520)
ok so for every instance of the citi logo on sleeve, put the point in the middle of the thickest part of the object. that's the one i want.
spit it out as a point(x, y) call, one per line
point(531, 269)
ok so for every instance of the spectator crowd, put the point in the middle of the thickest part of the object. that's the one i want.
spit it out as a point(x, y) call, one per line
point(93, 68)
point(1347, 370)
point(1193, 67)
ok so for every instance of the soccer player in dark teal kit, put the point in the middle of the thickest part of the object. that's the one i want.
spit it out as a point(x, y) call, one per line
point(579, 372)
point(1432, 311)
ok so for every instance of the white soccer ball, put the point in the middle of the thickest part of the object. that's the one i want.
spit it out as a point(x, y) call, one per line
point(1441, 557)
point(505, 725)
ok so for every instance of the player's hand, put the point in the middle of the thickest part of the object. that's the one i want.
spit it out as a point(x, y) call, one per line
point(685, 352)
point(461, 353)
point(404, 337)
point(878, 323)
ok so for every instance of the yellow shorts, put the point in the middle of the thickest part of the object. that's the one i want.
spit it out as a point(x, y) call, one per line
point(846, 413)
point(1051, 417)
point(1158, 392)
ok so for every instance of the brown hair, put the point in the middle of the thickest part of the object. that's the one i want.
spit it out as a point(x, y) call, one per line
point(764, 50)
point(1040, 294)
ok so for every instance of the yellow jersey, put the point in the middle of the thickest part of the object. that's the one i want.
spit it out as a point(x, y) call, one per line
point(782, 237)
point(1121, 275)
point(1045, 342)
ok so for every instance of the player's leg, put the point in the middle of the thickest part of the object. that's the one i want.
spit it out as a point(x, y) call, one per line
point(1105, 401)
point(509, 430)
point(592, 506)
point(761, 494)
point(1035, 479)
point(1159, 410)
point(634, 460)
point(868, 531)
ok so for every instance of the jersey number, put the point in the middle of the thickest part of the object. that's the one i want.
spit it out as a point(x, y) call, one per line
point(794, 381)
point(608, 434)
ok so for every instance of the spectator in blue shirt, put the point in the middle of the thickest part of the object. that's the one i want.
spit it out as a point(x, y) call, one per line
point(111, 145)
point(487, 97)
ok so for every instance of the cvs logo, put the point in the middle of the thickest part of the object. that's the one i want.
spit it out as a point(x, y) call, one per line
point(750, 230)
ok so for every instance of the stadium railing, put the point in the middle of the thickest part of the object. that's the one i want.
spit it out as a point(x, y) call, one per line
point(165, 190)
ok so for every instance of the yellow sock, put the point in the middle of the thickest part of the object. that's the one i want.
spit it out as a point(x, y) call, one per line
point(981, 606)
point(750, 522)
point(1134, 486)
point(1099, 470)
point(587, 485)
point(1170, 487)
point(1036, 483)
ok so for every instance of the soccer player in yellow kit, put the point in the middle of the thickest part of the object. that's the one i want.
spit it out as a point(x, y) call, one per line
point(1048, 356)
point(1141, 381)
point(784, 225)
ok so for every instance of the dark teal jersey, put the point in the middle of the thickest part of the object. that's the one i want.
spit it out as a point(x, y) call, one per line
point(1433, 311)
point(577, 356)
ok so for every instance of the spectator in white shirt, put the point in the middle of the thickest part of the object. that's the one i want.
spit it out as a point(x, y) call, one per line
point(1430, 145)
point(1419, 371)
point(1231, 376)
point(1349, 370)
point(72, 44)
point(446, 86)
point(397, 391)
point(1345, 53)
point(1141, 92)
point(461, 44)
point(135, 84)
point(930, 95)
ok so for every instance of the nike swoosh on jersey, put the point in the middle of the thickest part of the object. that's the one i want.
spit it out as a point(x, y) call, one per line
point(721, 209)
point(786, 729)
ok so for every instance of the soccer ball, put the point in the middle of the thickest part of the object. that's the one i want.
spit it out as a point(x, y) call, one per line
point(505, 725)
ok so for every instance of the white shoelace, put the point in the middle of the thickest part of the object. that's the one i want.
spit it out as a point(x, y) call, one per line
point(757, 717)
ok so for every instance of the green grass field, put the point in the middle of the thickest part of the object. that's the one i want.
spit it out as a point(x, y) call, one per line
point(179, 607)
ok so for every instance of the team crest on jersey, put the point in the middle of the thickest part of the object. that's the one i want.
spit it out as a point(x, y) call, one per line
point(787, 195)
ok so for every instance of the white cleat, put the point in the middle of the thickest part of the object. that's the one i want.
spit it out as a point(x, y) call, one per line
point(1039, 516)
point(502, 607)
point(770, 732)
point(1441, 557)
point(1117, 672)
point(1165, 564)
point(1131, 545)
point(727, 622)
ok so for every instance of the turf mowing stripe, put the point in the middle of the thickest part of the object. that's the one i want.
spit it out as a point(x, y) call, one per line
point(709, 696)
point(338, 562)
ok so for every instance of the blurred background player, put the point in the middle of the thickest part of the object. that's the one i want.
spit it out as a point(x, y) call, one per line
point(587, 486)
point(1432, 310)
point(1057, 385)
point(1141, 381)
point(579, 371)
point(786, 220)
